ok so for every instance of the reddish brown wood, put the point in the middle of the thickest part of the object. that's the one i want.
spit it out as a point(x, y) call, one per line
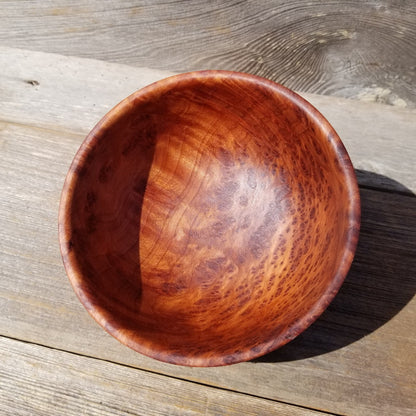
point(209, 218)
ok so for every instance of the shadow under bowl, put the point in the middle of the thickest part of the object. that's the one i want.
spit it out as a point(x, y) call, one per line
point(209, 218)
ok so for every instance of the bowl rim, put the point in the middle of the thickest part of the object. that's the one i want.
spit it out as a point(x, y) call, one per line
point(104, 317)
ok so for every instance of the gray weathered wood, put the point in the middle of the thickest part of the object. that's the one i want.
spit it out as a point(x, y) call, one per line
point(358, 358)
point(345, 48)
point(72, 94)
point(40, 380)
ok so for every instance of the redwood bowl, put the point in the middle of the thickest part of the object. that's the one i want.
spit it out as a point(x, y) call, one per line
point(209, 218)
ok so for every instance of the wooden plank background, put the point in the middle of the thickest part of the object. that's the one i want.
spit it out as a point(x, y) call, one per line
point(358, 358)
point(349, 48)
point(33, 379)
point(72, 94)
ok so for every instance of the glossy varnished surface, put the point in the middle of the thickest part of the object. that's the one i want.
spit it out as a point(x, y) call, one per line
point(209, 218)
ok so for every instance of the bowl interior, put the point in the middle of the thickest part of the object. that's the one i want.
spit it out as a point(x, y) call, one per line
point(209, 218)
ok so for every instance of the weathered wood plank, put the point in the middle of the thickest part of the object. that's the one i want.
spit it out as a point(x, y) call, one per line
point(61, 93)
point(40, 380)
point(358, 358)
point(345, 48)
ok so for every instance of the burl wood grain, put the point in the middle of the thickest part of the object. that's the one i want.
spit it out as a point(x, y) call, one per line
point(209, 218)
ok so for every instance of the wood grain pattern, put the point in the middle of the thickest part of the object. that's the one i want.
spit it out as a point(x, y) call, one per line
point(357, 358)
point(344, 48)
point(206, 207)
point(34, 379)
point(72, 94)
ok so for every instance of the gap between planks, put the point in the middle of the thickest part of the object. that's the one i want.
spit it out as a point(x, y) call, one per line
point(96, 375)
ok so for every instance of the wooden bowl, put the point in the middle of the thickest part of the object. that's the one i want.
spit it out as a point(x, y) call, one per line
point(209, 218)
